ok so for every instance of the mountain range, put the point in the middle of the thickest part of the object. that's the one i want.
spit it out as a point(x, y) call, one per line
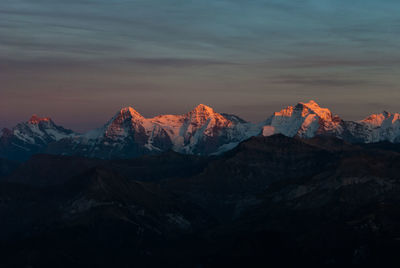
point(201, 131)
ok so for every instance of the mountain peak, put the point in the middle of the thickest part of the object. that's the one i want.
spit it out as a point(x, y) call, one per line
point(304, 120)
point(129, 111)
point(306, 108)
point(36, 119)
point(203, 108)
point(323, 113)
point(378, 119)
point(311, 103)
point(204, 115)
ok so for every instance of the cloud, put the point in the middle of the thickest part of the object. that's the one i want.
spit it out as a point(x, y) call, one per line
point(338, 62)
point(64, 64)
point(322, 81)
point(177, 62)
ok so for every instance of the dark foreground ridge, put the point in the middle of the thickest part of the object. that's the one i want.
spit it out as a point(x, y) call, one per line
point(270, 201)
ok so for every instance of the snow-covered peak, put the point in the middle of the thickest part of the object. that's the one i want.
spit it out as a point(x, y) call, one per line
point(123, 124)
point(304, 120)
point(202, 110)
point(380, 127)
point(313, 107)
point(286, 112)
point(378, 120)
point(204, 107)
point(39, 130)
point(311, 103)
point(203, 114)
point(129, 112)
point(36, 119)
point(303, 109)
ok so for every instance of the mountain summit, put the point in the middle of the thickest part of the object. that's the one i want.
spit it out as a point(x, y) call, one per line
point(129, 112)
point(126, 122)
point(31, 137)
point(381, 127)
point(304, 120)
point(36, 119)
point(203, 109)
point(313, 107)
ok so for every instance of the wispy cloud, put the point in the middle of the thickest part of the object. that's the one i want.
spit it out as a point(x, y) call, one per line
point(177, 62)
point(338, 62)
point(323, 81)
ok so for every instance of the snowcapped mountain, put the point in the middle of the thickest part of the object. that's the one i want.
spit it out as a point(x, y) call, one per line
point(307, 120)
point(304, 120)
point(31, 137)
point(377, 128)
point(201, 131)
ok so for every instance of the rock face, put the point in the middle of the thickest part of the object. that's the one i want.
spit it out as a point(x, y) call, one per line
point(201, 131)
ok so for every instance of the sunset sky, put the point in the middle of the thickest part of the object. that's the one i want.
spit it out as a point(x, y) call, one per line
point(80, 61)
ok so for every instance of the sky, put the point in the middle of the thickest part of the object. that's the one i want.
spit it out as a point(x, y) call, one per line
point(80, 61)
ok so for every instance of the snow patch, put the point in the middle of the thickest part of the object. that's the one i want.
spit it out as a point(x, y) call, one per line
point(268, 131)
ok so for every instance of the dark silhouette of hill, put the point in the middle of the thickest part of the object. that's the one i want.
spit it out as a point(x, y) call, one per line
point(271, 200)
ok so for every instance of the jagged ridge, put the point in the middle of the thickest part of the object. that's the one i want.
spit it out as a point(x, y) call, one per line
point(201, 131)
